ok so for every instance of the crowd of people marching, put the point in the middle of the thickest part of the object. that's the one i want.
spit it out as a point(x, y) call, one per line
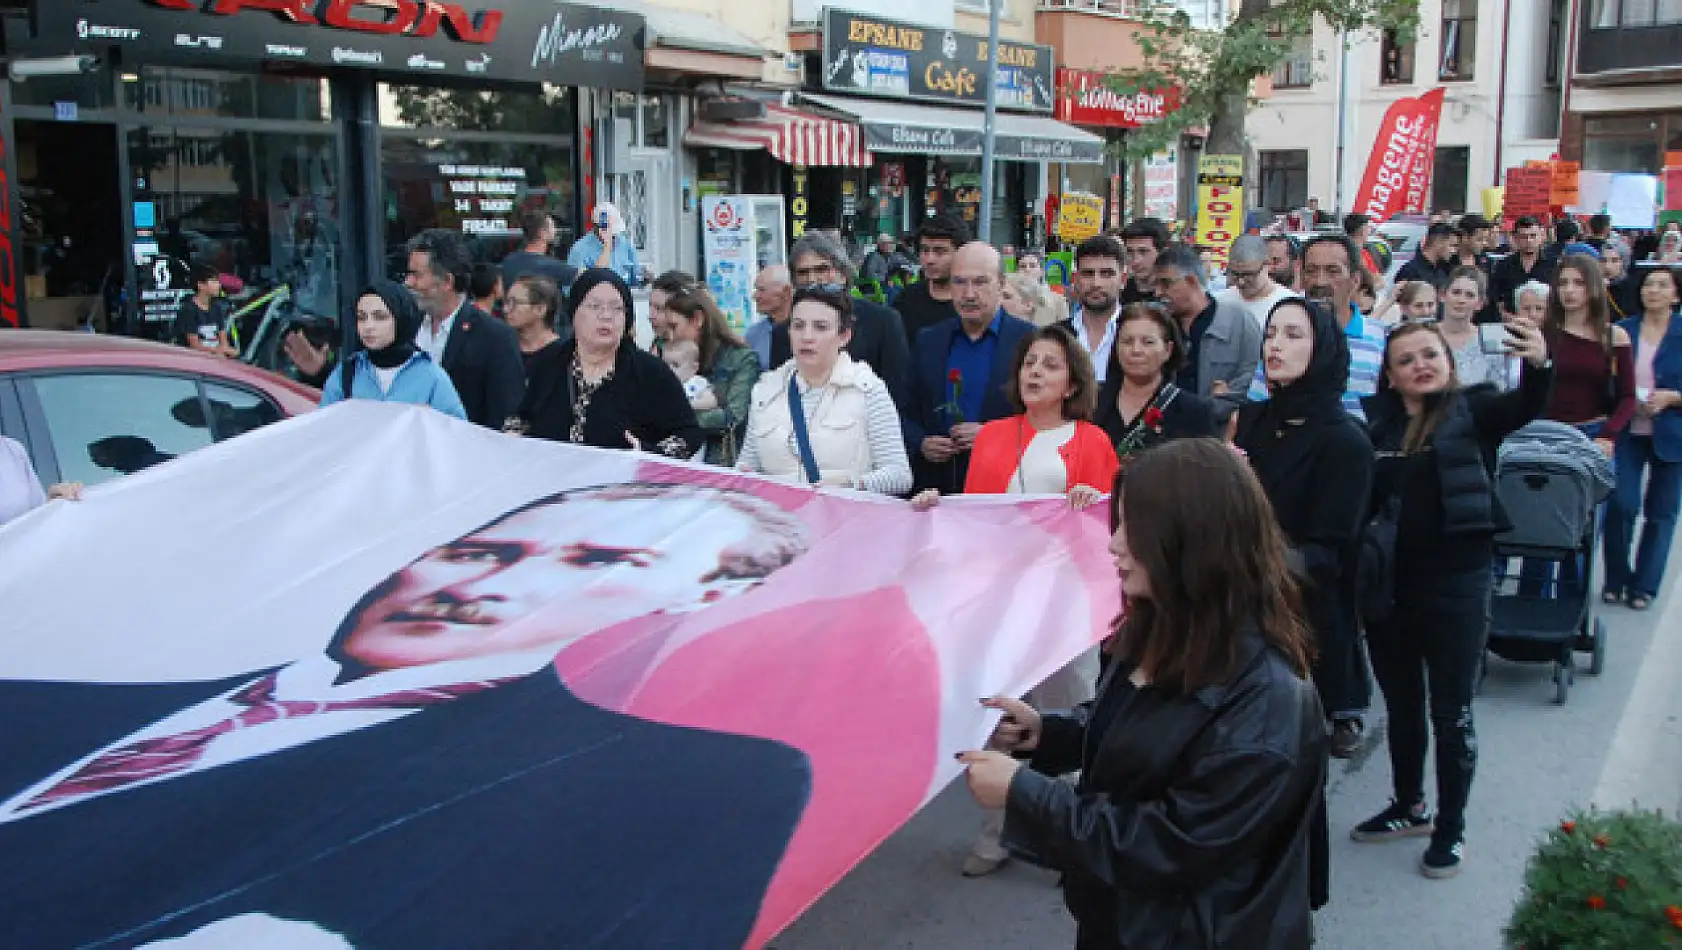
point(1360, 411)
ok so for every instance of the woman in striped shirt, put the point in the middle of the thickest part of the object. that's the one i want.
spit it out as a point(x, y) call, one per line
point(822, 418)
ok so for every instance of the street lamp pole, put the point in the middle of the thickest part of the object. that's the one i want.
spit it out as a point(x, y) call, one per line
point(988, 120)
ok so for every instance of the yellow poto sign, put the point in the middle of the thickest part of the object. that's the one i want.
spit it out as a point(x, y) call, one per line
point(1080, 216)
point(1220, 204)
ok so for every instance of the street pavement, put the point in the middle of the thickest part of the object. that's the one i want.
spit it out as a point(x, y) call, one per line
point(1618, 739)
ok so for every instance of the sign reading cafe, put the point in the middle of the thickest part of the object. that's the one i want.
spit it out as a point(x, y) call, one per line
point(871, 56)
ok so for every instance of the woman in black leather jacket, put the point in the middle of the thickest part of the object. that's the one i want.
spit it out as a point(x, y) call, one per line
point(1201, 760)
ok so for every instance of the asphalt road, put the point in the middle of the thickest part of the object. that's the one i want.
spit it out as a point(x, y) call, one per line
point(1618, 739)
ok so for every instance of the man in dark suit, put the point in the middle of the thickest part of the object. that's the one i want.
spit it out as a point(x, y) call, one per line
point(878, 334)
point(427, 781)
point(959, 371)
point(482, 355)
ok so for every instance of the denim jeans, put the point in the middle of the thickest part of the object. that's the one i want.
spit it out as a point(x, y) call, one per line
point(1664, 493)
point(1426, 659)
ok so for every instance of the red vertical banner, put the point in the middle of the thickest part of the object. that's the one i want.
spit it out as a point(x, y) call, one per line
point(1398, 178)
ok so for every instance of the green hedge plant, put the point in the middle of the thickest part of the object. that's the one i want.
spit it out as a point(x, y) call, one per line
point(1603, 880)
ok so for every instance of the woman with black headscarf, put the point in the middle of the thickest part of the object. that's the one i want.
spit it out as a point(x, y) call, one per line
point(599, 389)
point(1315, 463)
point(389, 367)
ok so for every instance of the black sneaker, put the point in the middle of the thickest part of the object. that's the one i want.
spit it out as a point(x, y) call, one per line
point(1346, 738)
point(1397, 821)
point(1442, 860)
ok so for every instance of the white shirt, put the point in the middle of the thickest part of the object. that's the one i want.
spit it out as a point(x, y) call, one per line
point(433, 343)
point(1041, 471)
point(1101, 353)
point(385, 376)
point(1257, 309)
point(307, 680)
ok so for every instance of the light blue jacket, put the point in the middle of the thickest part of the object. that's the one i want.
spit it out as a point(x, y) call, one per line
point(588, 249)
point(419, 381)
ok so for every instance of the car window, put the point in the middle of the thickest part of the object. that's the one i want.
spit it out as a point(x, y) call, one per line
point(107, 424)
point(237, 411)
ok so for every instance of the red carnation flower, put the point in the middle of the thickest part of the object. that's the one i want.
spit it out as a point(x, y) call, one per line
point(1623, 883)
point(953, 376)
point(1596, 902)
point(1601, 841)
point(1675, 915)
point(1153, 418)
point(1569, 827)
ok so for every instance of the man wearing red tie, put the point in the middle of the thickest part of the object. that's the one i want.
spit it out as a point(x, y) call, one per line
point(428, 781)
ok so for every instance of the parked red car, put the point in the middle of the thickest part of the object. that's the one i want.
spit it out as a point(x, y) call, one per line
point(90, 408)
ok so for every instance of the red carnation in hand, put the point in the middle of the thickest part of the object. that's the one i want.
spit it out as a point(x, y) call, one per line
point(1153, 418)
point(953, 376)
point(1596, 902)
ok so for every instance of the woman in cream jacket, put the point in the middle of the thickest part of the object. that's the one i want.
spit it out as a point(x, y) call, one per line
point(850, 436)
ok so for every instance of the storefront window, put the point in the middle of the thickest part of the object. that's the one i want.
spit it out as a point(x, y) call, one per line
point(88, 92)
point(264, 206)
point(203, 93)
point(546, 111)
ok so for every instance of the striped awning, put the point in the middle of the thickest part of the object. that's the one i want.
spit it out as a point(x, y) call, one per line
point(791, 136)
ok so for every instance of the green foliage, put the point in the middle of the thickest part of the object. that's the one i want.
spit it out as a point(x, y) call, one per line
point(1214, 69)
point(1603, 881)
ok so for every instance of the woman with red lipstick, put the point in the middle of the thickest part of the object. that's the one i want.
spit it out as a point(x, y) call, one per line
point(1436, 448)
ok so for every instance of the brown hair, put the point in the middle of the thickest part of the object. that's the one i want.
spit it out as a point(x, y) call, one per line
point(1171, 334)
point(544, 293)
point(1410, 290)
point(716, 332)
point(1472, 274)
point(1600, 309)
point(1083, 381)
point(1200, 526)
point(1424, 425)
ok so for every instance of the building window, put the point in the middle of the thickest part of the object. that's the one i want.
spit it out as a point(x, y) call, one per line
point(1460, 41)
point(1396, 67)
point(1610, 14)
point(1284, 179)
point(1449, 174)
point(1297, 71)
point(1556, 41)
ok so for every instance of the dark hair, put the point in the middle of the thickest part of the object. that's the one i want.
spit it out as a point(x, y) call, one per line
point(1101, 245)
point(1600, 223)
point(481, 282)
point(1171, 334)
point(1566, 231)
point(1201, 528)
point(1364, 280)
point(716, 332)
point(1344, 241)
point(1599, 307)
point(446, 254)
point(1441, 229)
point(1185, 259)
point(1472, 274)
point(1290, 245)
point(533, 224)
point(1526, 221)
point(1423, 425)
point(203, 273)
point(944, 226)
point(1083, 382)
point(1470, 223)
point(1152, 228)
point(1673, 273)
point(674, 282)
point(544, 292)
point(837, 300)
point(1354, 222)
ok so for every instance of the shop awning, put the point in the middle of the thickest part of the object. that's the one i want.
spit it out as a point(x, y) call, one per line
point(791, 136)
point(684, 41)
point(908, 127)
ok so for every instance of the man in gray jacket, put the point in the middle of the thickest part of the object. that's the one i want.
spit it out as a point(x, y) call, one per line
point(1223, 345)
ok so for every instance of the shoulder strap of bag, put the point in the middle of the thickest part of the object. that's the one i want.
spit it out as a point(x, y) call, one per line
point(797, 411)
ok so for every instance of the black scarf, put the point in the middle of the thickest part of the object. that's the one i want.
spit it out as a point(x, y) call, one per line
point(1266, 429)
point(407, 314)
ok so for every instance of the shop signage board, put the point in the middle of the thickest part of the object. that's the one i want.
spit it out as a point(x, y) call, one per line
point(1220, 204)
point(1162, 185)
point(741, 235)
point(511, 40)
point(1088, 98)
point(871, 56)
point(1080, 216)
point(914, 138)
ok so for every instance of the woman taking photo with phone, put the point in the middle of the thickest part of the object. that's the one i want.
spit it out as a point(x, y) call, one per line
point(1436, 446)
point(1202, 757)
point(1652, 444)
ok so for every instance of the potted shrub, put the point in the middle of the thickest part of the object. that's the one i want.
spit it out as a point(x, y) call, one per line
point(1603, 879)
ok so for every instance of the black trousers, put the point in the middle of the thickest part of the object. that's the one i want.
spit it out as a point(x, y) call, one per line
point(1340, 666)
point(1426, 659)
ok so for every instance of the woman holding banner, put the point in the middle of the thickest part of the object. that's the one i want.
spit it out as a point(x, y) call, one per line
point(1201, 759)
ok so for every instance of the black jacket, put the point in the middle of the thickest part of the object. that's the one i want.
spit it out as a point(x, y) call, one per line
point(1186, 416)
point(643, 398)
point(878, 341)
point(1189, 827)
point(483, 359)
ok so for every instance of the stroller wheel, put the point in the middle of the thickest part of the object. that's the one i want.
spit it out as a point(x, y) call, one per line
point(1562, 683)
point(1597, 653)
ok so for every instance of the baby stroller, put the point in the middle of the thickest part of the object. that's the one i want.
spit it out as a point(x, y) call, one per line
point(1550, 478)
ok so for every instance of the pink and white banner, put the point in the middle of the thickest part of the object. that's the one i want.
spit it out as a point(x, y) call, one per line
point(374, 677)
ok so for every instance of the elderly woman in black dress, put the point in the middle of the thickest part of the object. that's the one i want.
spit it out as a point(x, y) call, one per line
point(598, 389)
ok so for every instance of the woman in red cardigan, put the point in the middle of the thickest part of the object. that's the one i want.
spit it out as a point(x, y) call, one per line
point(1050, 447)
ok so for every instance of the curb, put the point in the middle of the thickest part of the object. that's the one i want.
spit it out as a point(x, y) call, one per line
point(1644, 760)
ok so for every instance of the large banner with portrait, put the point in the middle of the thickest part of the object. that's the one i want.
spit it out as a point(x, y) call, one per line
point(377, 678)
